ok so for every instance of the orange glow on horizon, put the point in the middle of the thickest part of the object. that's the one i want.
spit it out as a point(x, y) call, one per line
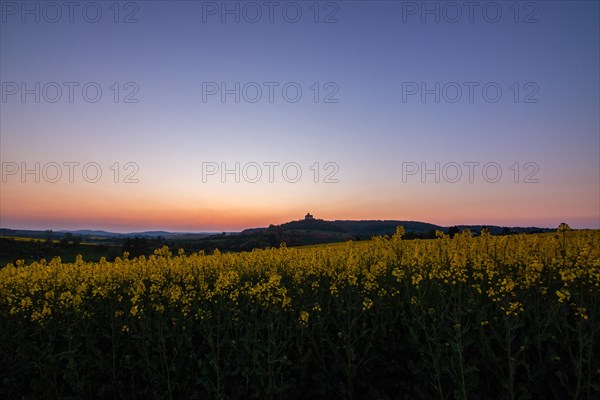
point(132, 209)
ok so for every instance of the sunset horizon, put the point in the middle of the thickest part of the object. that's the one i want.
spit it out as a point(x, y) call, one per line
point(237, 115)
point(130, 226)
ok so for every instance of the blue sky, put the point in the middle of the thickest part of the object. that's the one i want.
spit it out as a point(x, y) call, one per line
point(364, 61)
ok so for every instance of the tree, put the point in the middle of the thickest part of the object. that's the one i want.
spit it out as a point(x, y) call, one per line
point(66, 239)
point(136, 246)
point(453, 230)
point(563, 227)
point(430, 234)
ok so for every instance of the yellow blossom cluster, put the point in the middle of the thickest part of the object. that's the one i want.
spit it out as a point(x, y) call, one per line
point(306, 281)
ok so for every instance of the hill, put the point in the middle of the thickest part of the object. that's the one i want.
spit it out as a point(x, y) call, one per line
point(349, 229)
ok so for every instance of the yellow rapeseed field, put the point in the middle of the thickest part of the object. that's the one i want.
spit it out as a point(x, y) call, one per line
point(429, 315)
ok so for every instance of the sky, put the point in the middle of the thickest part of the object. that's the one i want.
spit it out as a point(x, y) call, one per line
point(219, 116)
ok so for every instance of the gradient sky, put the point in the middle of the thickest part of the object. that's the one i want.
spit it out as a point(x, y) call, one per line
point(370, 52)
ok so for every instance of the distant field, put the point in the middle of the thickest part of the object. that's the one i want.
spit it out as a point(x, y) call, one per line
point(26, 239)
point(13, 248)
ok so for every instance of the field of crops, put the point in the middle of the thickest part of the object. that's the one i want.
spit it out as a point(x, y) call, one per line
point(490, 317)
